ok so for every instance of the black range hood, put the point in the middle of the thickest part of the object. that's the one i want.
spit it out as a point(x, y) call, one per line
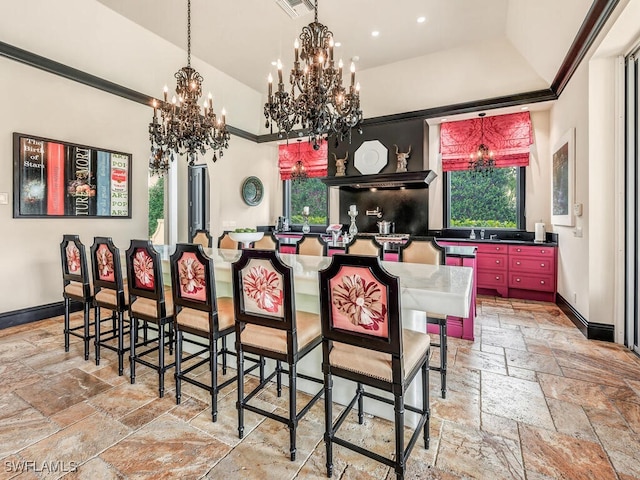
point(419, 179)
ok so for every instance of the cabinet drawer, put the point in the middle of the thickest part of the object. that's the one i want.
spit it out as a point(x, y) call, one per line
point(529, 264)
point(489, 261)
point(447, 243)
point(490, 248)
point(532, 251)
point(543, 283)
point(492, 279)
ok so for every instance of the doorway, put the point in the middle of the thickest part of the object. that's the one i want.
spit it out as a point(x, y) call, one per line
point(632, 201)
point(198, 199)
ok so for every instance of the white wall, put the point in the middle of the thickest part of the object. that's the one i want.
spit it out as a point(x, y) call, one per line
point(91, 37)
point(49, 106)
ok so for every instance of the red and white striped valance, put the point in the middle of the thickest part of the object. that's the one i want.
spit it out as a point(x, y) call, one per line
point(315, 161)
point(508, 136)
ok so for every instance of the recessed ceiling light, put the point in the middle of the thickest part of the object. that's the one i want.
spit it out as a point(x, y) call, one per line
point(375, 33)
point(524, 108)
point(338, 44)
point(274, 63)
point(422, 19)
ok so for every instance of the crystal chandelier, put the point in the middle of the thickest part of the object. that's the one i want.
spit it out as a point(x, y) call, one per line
point(317, 101)
point(183, 128)
point(298, 170)
point(482, 162)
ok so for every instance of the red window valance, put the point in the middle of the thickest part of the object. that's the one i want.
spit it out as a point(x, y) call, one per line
point(315, 161)
point(508, 136)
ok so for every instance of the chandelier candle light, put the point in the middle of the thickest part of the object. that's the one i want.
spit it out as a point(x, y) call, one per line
point(317, 101)
point(183, 128)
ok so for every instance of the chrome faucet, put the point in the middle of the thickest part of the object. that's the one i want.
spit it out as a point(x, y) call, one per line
point(473, 234)
point(482, 234)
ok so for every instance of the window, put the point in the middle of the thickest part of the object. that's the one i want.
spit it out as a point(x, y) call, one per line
point(495, 200)
point(310, 193)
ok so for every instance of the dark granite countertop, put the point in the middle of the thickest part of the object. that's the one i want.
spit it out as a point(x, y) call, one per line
point(505, 241)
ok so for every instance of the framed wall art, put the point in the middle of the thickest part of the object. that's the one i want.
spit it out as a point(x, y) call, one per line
point(563, 180)
point(60, 179)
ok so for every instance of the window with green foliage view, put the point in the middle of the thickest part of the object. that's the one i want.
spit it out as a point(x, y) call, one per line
point(310, 193)
point(484, 200)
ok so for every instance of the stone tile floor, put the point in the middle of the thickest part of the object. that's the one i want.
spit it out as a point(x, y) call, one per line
point(530, 398)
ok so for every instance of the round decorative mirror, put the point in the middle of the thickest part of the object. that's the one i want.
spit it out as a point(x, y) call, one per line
point(252, 191)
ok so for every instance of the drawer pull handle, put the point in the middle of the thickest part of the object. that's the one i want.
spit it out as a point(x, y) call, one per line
point(497, 248)
point(497, 278)
point(541, 251)
point(517, 279)
point(541, 282)
point(518, 250)
point(542, 264)
point(517, 263)
point(498, 262)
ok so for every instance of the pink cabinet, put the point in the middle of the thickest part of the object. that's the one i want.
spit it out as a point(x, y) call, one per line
point(458, 326)
point(533, 272)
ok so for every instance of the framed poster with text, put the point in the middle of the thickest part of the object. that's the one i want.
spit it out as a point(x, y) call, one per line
point(60, 179)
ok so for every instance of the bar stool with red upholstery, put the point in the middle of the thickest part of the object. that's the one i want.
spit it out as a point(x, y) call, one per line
point(268, 325)
point(202, 316)
point(76, 287)
point(110, 294)
point(150, 302)
point(363, 341)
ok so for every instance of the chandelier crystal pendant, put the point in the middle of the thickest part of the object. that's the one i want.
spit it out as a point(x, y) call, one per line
point(182, 126)
point(317, 101)
point(482, 161)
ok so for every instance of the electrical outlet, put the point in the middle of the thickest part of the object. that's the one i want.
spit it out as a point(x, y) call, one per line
point(4, 198)
point(577, 232)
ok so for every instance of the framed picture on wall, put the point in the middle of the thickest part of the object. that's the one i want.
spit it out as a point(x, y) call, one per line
point(52, 178)
point(563, 179)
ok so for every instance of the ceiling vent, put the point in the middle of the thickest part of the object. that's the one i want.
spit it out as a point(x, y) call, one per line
point(296, 8)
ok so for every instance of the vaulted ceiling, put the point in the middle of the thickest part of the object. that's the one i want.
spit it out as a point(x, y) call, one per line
point(465, 50)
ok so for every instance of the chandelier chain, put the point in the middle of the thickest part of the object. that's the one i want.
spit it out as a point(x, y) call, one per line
point(183, 126)
point(188, 33)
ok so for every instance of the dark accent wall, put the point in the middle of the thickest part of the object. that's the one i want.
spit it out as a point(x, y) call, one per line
point(404, 133)
point(409, 209)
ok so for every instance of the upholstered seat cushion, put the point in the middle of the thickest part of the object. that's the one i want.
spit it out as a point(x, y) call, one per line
point(308, 330)
point(74, 289)
point(377, 364)
point(199, 320)
point(107, 297)
point(146, 307)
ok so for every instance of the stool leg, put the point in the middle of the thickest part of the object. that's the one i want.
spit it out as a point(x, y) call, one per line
point(96, 340)
point(132, 351)
point(67, 306)
point(178, 371)
point(399, 430)
point(87, 313)
point(161, 358)
point(224, 355)
point(425, 402)
point(213, 365)
point(443, 359)
point(328, 422)
point(293, 422)
point(279, 377)
point(120, 321)
point(360, 391)
point(240, 378)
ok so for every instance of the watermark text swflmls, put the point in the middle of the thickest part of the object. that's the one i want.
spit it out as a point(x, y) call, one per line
point(54, 466)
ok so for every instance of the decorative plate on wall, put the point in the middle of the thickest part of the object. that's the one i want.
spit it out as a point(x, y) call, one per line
point(370, 157)
point(252, 191)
